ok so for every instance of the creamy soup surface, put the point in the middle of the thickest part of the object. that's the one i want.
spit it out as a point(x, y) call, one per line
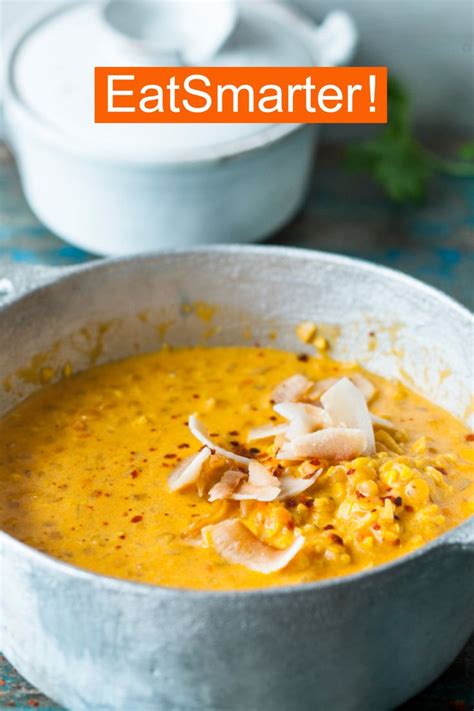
point(85, 467)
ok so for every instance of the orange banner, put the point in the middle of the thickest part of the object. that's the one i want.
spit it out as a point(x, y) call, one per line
point(241, 95)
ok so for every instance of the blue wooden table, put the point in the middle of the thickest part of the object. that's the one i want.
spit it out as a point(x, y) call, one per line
point(343, 213)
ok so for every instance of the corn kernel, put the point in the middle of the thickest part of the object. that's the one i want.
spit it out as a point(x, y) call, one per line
point(417, 492)
point(390, 477)
point(387, 511)
point(338, 490)
point(368, 488)
point(321, 343)
point(419, 447)
point(306, 331)
point(67, 370)
point(383, 438)
point(46, 375)
point(367, 543)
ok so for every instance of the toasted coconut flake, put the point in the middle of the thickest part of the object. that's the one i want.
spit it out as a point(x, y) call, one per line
point(292, 389)
point(226, 486)
point(382, 422)
point(292, 486)
point(236, 544)
point(361, 382)
point(266, 431)
point(261, 485)
point(188, 471)
point(304, 418)
point(260, 475)
point(364, 385)
point(320, 387)
point(200, 432)
point(250, 492)
point(346, 405)
point(334, 443)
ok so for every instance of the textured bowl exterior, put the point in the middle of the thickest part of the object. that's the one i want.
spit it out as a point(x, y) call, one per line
point(367, 641)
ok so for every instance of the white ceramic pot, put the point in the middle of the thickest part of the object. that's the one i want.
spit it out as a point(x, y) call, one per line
point(119, 189)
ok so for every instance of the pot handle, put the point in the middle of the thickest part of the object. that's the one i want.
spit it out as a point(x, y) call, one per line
point(19, 279)
point(335, 39)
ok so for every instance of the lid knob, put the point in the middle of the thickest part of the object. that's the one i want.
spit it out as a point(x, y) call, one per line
point(170, 32)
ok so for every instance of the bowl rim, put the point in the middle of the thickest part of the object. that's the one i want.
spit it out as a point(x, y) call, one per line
point(459, 537)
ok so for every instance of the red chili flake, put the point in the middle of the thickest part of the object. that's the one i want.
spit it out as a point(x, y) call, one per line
point(469, 437)
point(328, 527)
point(410, 509)
point(308, 502)
point(234, 433)
point(255, 450)
point(152, 449)
point(372, 333)
point(442, 471)
point(273, 418)
point(396, 542)
point(105, 523)
point(134, 474)
point(97, 493)
point(397, 500)
point(123, 536)
point(290, 525)
point(195, 396)
point(336, 539)
point(117, 547)
point(183, 445)
point(170, 456)
point(303, 357)
point(350, 471)
point(33, 702)
point(291, 503)
point(136, 519)
point(376, 526)
point(235, 443)
point(214, 434)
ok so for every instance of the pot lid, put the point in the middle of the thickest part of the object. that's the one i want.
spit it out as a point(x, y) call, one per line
point(53, 61)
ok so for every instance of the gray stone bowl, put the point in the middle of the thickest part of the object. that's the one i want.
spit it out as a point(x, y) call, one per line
point(365, 641)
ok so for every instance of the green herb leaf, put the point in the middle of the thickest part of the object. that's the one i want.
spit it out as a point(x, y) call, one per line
point(396, 160)
point(466, 152)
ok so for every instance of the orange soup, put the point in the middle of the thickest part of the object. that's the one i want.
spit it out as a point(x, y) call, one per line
point(231, 468)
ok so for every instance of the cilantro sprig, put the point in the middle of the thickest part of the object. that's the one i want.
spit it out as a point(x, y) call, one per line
point(396, 159)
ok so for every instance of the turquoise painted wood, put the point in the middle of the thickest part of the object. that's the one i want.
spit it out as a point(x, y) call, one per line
point(344, 214)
